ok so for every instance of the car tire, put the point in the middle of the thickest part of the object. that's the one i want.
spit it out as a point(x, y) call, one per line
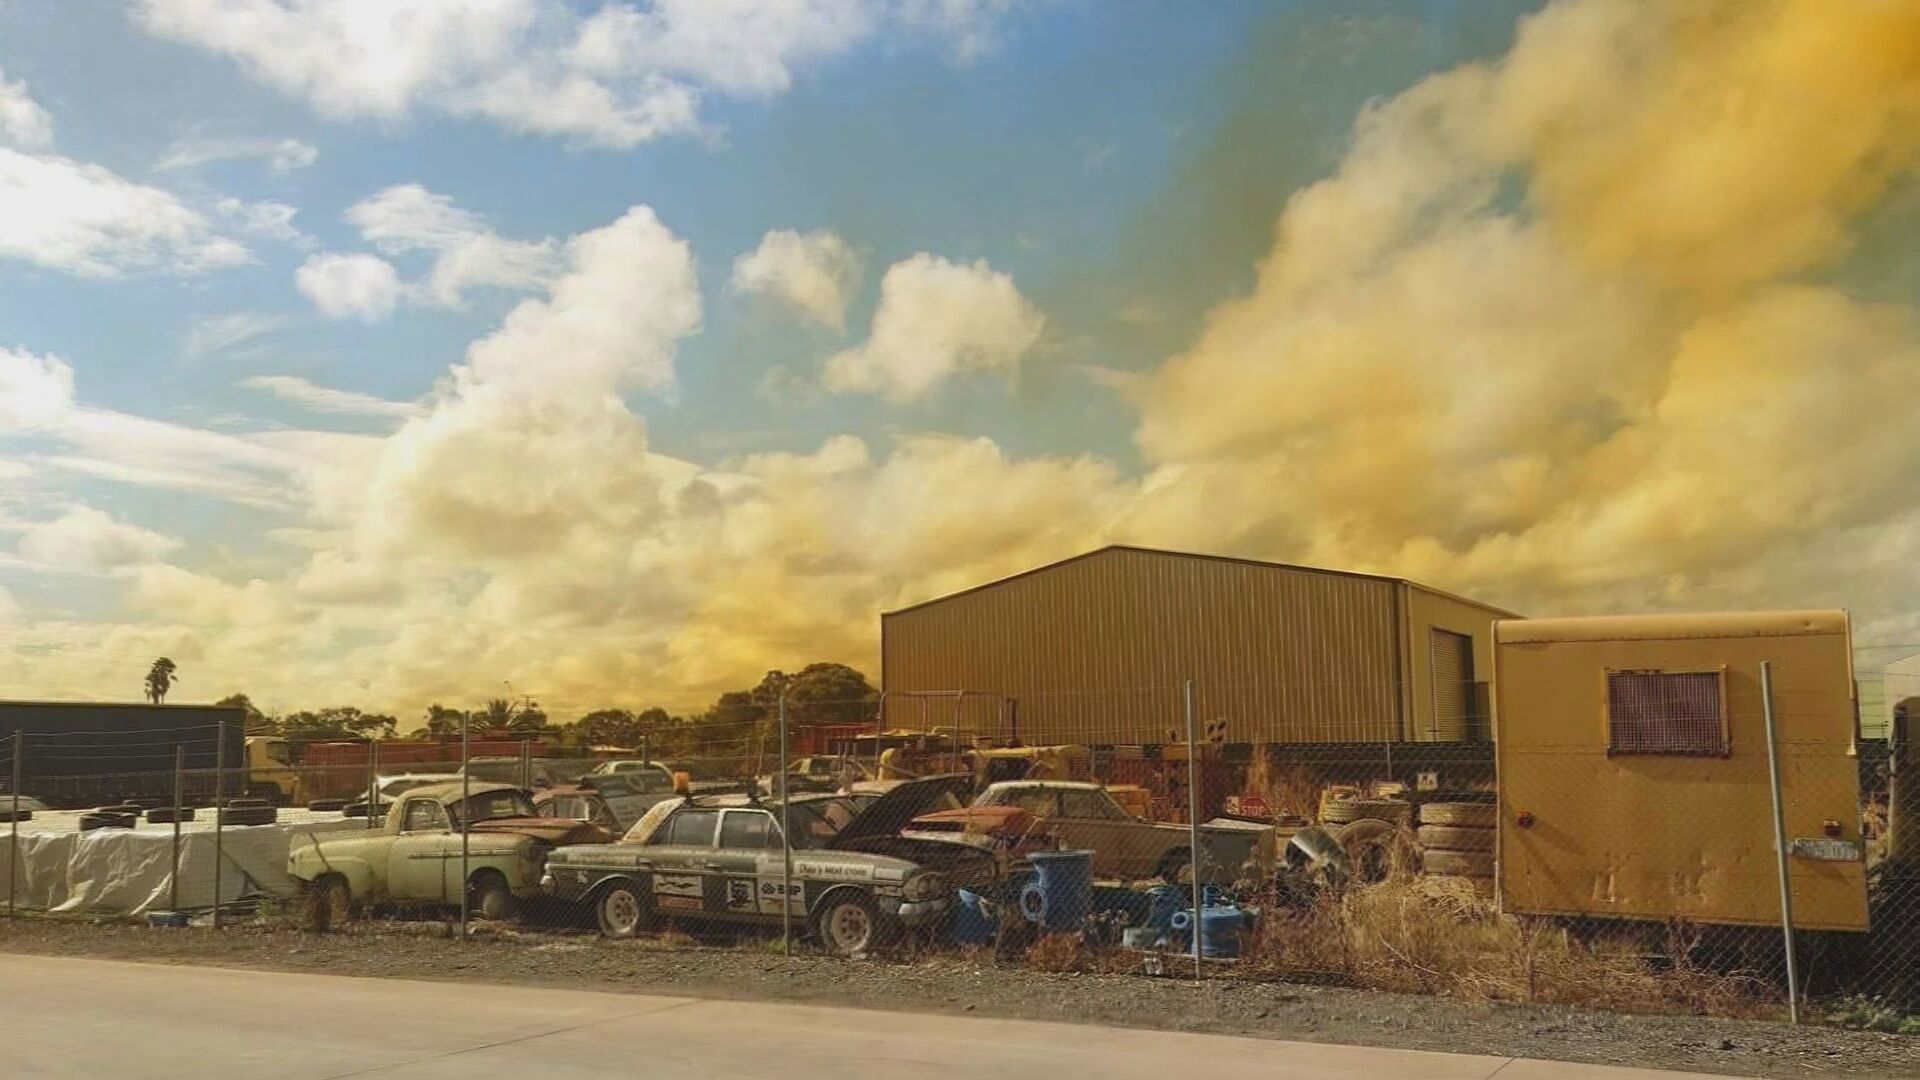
point(249, 815)
point(326, 806)
point(621, 911)
point(103, 820)
point(489, 898)
point(1347, 811)
point(1456, 838)
point(327, 903)
point(847, 925)
point(161, 815)
point(1468, 815)
point(1471, 864)
point(7, 814)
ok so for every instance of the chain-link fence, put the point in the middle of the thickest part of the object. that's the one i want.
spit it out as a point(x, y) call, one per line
point(1638, 858)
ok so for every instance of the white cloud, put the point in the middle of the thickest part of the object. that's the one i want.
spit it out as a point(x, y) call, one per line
point(85, 220)
point(936, 319)
point(35, 391)
point(87, 539)
point(281, 155)
point(811, 273)
point(407, 218)
point(273, 220)
point(222, 333)
point(350, 286)
point(623, 75)
point(328, 400)
point(22, 121)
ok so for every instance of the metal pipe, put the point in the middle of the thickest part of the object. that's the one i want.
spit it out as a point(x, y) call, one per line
point(786, 842)
point(466, 791)
point(373, 786)
point(1780, 843)
point(179, 800)
point(1193, 832)
point(13, 839)
point(219, 810)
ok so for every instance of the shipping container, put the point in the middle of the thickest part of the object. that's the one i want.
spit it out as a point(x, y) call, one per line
point(95, 753)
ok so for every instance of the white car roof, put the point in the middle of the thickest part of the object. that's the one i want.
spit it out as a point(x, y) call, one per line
point(1052, 785)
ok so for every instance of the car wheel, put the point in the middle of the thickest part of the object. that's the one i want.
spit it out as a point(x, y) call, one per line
point(620, 911)
point(491, 899)
point(329, 903)
point(848, 925)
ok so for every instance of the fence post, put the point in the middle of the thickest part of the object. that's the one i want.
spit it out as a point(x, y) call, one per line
point(13, 838)
point(179, 801)
point(373, 786)
point(1193, 831)
point(219, 810)
point(1780, 843)
point(786, 842)
point(466, 790)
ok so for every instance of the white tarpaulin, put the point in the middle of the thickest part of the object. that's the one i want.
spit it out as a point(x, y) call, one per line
point(130, 871)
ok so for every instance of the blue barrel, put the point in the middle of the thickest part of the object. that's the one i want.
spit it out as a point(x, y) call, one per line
point(1061, 892)
point(1220, 924)
point(972, 923)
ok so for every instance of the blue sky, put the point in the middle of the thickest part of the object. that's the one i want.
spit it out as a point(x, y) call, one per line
point(1053, 214)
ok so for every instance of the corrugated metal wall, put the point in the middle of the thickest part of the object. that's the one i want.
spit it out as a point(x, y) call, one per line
point(1095, 649)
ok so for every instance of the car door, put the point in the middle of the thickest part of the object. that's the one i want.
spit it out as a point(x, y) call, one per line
point(416, 866)
point(744, 836)
point(1092, 820)
point(682, 853)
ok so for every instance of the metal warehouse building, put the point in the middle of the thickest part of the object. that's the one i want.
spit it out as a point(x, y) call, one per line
point(1094, 649)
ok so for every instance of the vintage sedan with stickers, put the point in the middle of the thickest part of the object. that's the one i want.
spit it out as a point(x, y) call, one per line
point(856, 884)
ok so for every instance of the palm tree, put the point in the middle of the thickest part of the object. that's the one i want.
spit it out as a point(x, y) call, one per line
point(160, 679)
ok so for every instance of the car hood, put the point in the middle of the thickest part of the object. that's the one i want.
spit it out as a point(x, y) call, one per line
point(893, 811)
point(991, 820)
point(554, 831)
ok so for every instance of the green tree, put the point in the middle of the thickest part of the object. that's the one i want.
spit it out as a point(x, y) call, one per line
point(607, 727)
point(161, 676)
point(440, 723)
point(258, 723)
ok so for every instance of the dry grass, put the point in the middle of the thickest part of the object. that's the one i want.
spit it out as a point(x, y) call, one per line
point(1058, 953)
point(1288, 788)
point(1438, 936)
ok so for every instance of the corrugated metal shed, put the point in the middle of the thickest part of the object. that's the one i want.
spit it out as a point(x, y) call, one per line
point(1095, 649)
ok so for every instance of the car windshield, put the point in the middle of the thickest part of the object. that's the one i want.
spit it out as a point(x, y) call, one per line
point(493, 804)
point(809, 827)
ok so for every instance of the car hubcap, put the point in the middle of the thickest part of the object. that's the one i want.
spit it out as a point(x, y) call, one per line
point(623, 911)
point(850, 927)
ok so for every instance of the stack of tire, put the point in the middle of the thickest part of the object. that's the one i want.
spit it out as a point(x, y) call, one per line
point(1457, 840)
point(249, 811)
point(1366, 829)
point(1348, 811)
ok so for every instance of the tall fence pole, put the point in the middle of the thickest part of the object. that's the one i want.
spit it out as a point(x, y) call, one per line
point(13, 837)
point(466, 790)
point(373, 783)
point(1780, 843)
point(1193, 830)
point(179, 801)
point(219, 810)
point(786, 842)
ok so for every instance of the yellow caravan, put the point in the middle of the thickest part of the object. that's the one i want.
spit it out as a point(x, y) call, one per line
point(1633, 777)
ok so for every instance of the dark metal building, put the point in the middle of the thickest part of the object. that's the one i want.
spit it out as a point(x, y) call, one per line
point(1095, 649)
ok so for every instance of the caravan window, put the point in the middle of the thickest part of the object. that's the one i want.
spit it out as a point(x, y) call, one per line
point(1666, 712)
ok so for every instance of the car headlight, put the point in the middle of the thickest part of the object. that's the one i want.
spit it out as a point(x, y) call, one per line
point(927, 885)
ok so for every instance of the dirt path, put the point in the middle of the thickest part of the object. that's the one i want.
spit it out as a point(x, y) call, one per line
point(958, 985)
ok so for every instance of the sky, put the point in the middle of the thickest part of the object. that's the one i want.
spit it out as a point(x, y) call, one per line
point(384, 353)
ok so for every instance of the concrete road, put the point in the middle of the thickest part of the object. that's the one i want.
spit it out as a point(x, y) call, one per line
point(92, 1018)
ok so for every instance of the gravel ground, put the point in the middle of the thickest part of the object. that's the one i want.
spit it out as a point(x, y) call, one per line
point(957, 985)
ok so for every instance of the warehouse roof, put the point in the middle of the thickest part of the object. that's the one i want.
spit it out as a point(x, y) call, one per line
point(1164, 553)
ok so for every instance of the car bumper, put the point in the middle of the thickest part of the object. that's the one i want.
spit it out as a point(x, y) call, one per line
point(922, 913)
